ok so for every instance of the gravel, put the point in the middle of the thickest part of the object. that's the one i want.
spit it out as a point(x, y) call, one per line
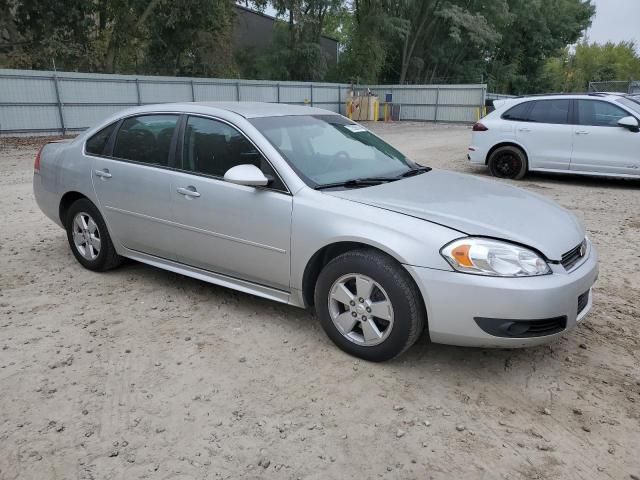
point(51, 309)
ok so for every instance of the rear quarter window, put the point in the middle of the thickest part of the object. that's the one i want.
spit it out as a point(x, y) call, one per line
point(97, 144)
point(517, 113)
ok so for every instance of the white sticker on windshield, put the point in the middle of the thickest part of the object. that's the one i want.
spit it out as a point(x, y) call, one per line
point(355, 128)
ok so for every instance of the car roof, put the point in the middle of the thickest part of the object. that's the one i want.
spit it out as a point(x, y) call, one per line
point(244, 109)
point(546, 96)
point(509, 102)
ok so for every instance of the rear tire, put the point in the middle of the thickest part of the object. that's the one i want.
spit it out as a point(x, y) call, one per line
point(369, 305)
point(88, 237)
point(508, 162)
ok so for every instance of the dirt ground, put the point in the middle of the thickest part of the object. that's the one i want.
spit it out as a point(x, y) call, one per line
point(142, 373)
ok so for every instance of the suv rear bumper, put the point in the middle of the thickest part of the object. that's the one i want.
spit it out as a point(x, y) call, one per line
point(476, 155)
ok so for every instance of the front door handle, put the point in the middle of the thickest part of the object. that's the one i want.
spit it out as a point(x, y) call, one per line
point(102, 173)
point(188, 192)
point(582, 132)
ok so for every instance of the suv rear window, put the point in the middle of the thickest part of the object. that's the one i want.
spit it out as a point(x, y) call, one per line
point(540, 111)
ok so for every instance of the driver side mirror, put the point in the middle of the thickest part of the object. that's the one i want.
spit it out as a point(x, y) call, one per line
point(248, 174)
point(629, 123)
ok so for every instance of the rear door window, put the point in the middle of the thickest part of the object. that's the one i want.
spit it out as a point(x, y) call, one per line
point(550, 111)
point(599, 114)
point(146, 139)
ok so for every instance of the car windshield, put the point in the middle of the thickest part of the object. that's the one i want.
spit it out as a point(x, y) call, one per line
point(632, 102)
point(329, 149)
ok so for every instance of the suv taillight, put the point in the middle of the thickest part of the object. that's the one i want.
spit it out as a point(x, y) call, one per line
point(36, 163)
point(479, 127)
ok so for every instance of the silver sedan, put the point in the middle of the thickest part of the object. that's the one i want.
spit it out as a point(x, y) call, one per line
point(303, 206)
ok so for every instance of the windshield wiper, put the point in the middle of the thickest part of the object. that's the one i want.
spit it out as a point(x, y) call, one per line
point(415, 171)
point(357, 182)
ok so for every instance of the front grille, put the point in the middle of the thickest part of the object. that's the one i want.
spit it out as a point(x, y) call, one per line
point(583, 301)
point(573, 256)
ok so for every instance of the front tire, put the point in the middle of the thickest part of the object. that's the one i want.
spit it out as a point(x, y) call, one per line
point(508, 162)
point(369, 305)
point(88, 237)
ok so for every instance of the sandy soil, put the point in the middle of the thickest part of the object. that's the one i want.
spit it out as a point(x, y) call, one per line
point(141, 373)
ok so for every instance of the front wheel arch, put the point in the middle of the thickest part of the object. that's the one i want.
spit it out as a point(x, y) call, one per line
point(322, 257)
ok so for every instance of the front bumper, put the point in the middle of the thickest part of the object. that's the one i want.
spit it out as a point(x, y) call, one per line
point(455, 300)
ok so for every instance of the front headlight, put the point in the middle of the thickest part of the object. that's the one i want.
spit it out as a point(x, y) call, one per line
point(483, 256)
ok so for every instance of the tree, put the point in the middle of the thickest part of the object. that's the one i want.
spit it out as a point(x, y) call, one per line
point(516, 46)
point(572, 70)
point(159, 36)
point(535, 31)
point(191, 38)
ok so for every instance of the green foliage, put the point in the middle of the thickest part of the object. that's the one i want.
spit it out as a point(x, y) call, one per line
point(151, 36)
point(516, 46)
point(535, 31)
point(190, 39)
point(572, 70)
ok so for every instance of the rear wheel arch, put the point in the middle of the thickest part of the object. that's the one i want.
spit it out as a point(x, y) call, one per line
point(505, 144)
point(66, 201)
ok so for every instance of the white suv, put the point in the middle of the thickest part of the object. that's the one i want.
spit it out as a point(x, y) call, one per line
point(588, 134)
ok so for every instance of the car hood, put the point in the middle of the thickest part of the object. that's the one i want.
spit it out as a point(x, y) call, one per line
point(477, 206)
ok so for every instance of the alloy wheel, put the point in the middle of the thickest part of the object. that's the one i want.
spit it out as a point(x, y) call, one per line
point(360, 309)
point(86, 236)
point(507, 165)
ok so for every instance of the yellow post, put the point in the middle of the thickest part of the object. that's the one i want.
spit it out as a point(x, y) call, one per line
point(376, 111)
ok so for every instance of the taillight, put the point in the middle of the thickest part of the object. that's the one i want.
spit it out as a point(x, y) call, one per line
point(36, 163)
point(479, 127)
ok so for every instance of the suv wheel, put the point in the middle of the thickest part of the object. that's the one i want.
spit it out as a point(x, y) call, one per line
point(369, 305)
point(508, 162)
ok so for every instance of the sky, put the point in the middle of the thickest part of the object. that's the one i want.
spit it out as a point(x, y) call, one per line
point(616, 21)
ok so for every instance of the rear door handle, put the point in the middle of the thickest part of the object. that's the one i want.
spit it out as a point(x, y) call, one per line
point(188, 192)
point(525, 130)
point(102, 173)
point(582, 132)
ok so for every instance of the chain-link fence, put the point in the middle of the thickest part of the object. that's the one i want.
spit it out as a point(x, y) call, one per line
point(616, 86)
